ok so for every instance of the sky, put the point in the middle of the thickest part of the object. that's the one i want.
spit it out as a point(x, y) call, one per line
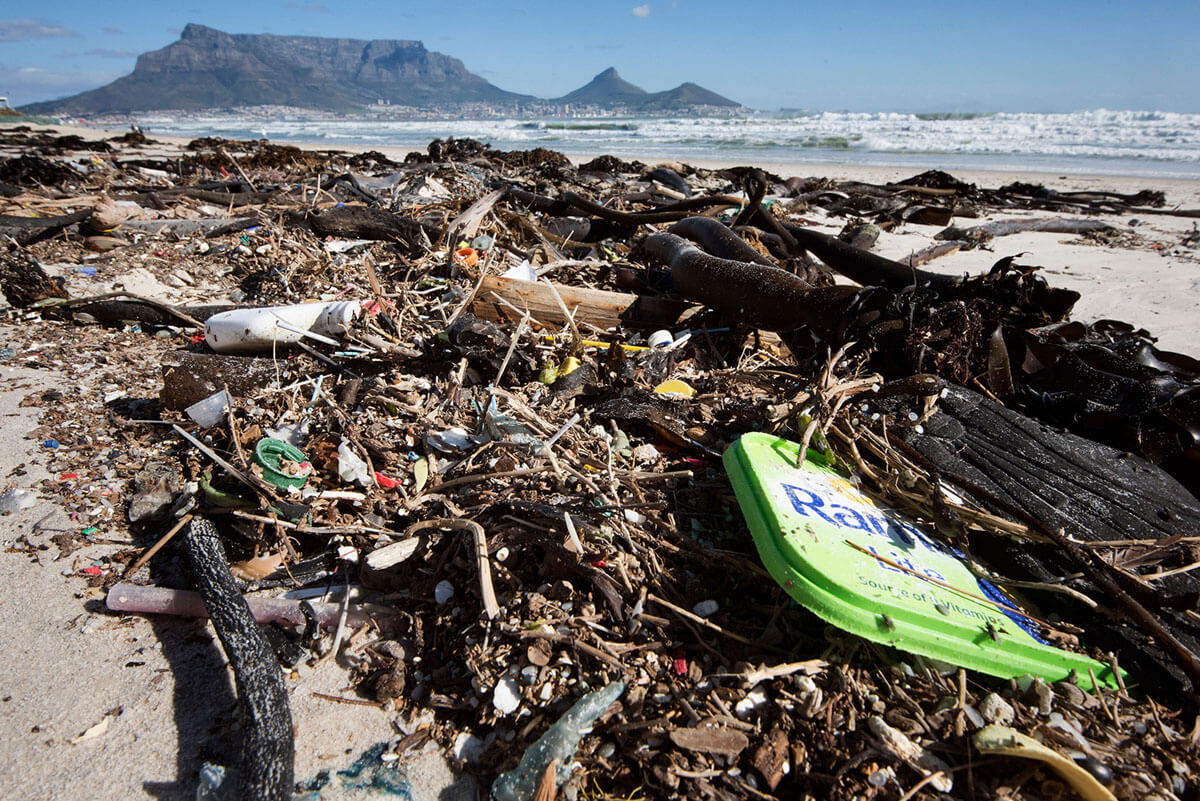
point(833, 55)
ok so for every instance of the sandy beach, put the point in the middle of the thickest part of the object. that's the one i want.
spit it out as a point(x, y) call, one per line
point(103, 707)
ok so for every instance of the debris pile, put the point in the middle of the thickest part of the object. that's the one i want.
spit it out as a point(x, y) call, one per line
point(480, 399)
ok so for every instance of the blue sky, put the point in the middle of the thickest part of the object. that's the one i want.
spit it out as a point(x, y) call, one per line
point(903, 55)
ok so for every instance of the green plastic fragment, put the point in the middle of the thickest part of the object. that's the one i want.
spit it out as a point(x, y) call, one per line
point(269, 454)
point(877, 575)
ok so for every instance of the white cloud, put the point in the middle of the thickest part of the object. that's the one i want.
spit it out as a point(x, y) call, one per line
point(30, 84)
point(20, 30)
point(641, 11)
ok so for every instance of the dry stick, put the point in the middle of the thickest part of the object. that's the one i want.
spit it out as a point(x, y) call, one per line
point(474, 477)
point(919, 785)
point(156, 547)
point(166, 308)
point(512, 346)
point(299, 529)
point(241, 172)
point(339, 699)
point(570, 317)
point(490, 606)
point(564, 639)
point(699, 620)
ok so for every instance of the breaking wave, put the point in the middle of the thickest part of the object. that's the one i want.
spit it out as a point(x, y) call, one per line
point(1099, 140)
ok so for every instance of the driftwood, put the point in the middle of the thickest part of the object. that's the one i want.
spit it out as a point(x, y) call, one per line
point(978, 234)
point(118, 307)
point(926, 255)
point(364, 222)
point(28, 229)
point(208, 227)
point(1075, 491)
point(506, 299)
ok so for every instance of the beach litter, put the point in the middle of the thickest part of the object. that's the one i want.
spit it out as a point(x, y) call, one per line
point(473, 407)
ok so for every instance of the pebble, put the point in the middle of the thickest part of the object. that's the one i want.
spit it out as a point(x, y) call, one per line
point(996, 710)
point(1045, 697)
point(506, 697)
point(1071, 693)
point(881, 777)
point(1101, 772)
point(706, 608)
point(443, 592)
point(467, 747)
point(973, 715)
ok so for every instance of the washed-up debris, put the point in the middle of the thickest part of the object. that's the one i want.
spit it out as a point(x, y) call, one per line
point(498, 485)
point(1006, 741)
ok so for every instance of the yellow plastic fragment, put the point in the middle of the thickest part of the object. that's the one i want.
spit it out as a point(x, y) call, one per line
point(591, 343)
point(674, 386)
point(1010, 742)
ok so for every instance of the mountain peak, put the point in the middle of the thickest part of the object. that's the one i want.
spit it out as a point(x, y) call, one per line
point(606, 89)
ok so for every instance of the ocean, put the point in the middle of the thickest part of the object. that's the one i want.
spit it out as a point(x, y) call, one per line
point(1102, 142)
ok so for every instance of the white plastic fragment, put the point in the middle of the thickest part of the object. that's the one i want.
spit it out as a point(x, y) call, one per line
point(522, 272)
point(209, 411)
point(14, 500)
point(351, 468)
point(753, 700)
point(394, 554)
point(451, 440)
point(645, 453)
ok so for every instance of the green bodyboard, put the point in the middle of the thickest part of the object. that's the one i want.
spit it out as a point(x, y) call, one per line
point(898, 587)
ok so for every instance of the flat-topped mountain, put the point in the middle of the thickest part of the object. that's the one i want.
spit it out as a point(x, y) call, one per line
point(208, 68)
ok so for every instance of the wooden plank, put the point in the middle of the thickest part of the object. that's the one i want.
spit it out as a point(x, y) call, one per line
point(595, 307)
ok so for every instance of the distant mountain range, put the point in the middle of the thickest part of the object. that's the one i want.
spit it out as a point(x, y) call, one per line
point(609, 89)
point(209, 69)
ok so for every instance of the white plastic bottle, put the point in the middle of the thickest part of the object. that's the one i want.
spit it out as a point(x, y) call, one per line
point(261, 329)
